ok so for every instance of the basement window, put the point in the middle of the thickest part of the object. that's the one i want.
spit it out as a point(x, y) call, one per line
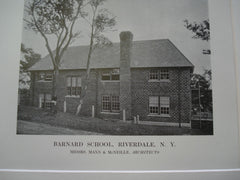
point(111, 75)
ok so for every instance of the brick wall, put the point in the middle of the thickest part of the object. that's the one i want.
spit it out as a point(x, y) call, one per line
point(125, 72)
point(106, 88)
point(73, 101)
point(39, 87)
point(142, 89)
point(96, 88)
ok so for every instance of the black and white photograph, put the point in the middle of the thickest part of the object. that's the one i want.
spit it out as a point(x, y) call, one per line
point(110, 67)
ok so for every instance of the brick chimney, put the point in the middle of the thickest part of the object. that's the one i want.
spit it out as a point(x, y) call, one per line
point(126, 38)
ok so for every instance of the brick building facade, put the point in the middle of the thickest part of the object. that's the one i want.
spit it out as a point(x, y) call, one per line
point(146, 78)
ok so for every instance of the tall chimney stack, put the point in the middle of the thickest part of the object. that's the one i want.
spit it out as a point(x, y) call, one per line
point(126, 38)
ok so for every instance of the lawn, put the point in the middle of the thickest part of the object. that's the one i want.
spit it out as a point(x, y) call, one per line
point(107, 127)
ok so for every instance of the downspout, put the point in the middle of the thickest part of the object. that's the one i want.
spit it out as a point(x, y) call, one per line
point(179, 99)
point(96, 104)
point(32, 88)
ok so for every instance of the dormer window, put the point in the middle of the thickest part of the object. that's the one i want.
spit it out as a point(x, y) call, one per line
point(111, 75)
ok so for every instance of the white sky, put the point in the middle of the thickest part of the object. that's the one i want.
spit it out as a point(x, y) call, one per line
point(148, 19)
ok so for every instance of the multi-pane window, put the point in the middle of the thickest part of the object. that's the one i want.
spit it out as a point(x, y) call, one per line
point(111, 75)
point(106, 103)
point(73, 86)
point(48, 77)
point(115, 74)
point(46, 100)
point(110, 103)
point(162, 74)
point(153, 75)
point(164, 105)
point(153, 105)
point(115, 103)
point(106, 76)
point(45, 76)
point(159, 105)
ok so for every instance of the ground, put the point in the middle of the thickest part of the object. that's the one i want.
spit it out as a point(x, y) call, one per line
point(26, 127)
point(32, 120)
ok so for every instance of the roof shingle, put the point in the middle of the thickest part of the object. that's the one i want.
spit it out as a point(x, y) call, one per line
point(149, 53)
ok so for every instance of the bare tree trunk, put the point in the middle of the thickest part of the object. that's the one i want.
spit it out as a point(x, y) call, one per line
point(55, 81)
point(84, 90)
point(54, 90)
point(82, 96)
point(85, 87)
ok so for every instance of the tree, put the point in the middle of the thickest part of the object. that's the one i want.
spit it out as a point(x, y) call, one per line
point(200, 30)
point(55, 18)
point(58, 17)
point(99, 21)
point(201, 92)
point(29, 57)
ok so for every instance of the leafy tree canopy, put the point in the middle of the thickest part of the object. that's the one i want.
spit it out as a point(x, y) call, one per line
point(201, 88)
point(200, 30)
point(29, 57)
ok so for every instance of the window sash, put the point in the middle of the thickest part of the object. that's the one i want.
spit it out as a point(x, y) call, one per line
point(46, 100)
point(153, 75)
point(161, 74)
point(74, 85)
point(110, 103)
point(159, 105)
point(115, 103)
point(111, 75)
point(164, 74)
point(153, 104)
point(48, 77)
point(106, 104)
point(45, 76)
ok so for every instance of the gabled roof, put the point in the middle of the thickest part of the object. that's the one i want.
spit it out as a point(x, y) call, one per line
point(149, 53)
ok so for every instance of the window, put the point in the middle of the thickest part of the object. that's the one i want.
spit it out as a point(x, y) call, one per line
point(162, 74)
point(74, 86)
point(106, 104)
point(115, 103)
point(111, 75)
point(48, 77)
point(159, 105)
point(153, 105)
point(41, 76)
point(115, 74)
point(45, 100)
point(45, 76)
point(106, 76)
point(153, 75)
point(110, 103)
point(164, 105)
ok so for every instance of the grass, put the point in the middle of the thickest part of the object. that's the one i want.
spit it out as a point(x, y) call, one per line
point(108, 127)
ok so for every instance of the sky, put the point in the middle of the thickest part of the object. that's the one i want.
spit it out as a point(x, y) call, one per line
point(146, 19)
